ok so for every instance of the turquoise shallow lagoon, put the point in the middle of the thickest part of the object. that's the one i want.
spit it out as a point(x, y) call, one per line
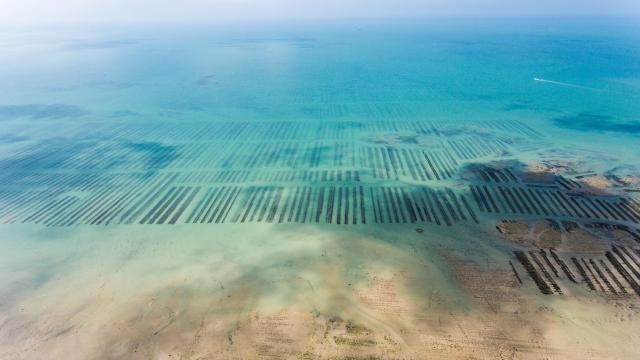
point(335, 190)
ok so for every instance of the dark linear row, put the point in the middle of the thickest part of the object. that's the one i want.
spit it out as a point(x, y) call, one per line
point(333, 109)
point(92, 156)
point(306, 204)
point(247, 176)
point(546, 269)
point(392, 163)
point(196, 131)
point(420, 127)
point(248, 144)
point(542, 285)
point(513, 126)
point(530, 146)
point(94, 181)
point(507, 127)
point(23, 204)
point(344, 154)
point(616, 274)
point(568, 184)
point(398, 205)
point(85, 181)
point(298, 154)
point(278, 130)
point(488, 174)
point(635, 233)
point(105, 206)
point(599, 274)
point(281, 130)
point(386, 162)
point(474, 147)
point(171, 206)
point(271, 155)
point(98, 208)
point(110, 156)
point(549, 202)
point(161, 200)
point(58, 208)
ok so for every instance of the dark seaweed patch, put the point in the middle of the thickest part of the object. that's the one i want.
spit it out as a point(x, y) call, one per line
point(205, 80)
point(156, 155)
point(596, 123)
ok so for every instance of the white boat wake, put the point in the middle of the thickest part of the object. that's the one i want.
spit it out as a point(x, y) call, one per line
point(559, 83)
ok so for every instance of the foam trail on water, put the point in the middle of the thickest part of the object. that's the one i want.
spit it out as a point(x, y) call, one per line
point(560, 83)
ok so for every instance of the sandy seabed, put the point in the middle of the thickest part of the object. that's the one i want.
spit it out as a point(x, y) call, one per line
point(288, 291)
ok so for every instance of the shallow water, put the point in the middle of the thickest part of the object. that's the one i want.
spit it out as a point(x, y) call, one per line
point(312, 190)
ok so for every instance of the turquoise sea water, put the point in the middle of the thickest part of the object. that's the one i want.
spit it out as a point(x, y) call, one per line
point(462, 69)
point(112, 136)
point(187, 96)
point(459, 69)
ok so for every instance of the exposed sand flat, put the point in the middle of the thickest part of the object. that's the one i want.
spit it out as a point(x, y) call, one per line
point(340, 293)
